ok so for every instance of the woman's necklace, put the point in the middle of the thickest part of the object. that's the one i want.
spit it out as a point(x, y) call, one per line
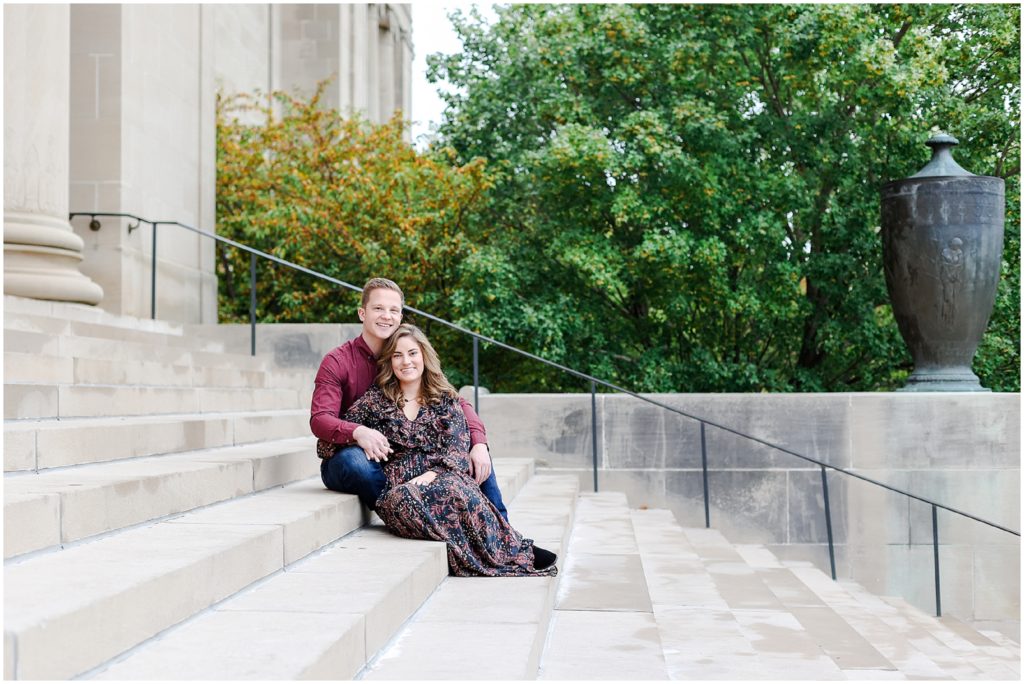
point(411, 407)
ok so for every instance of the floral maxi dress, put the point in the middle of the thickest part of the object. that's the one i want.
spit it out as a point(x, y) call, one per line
point(452, 508)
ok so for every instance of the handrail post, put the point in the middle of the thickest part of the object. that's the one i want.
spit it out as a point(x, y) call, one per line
point(476, 374)
point(828, 523)
point(704, 467)
point(152, 278)
point(252, 304)
point(935, 549)
point(593, 426)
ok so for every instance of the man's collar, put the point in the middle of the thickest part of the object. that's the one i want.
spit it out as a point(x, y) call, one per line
point(360, 343)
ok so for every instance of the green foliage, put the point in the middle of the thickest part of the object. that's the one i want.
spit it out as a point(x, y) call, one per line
point(339, 196)
point(674, 197)
point(686, 196)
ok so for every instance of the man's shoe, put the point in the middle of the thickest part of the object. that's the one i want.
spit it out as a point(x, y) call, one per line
point(542, 558)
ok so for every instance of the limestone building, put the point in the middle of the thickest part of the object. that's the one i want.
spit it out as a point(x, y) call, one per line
point(111, 108)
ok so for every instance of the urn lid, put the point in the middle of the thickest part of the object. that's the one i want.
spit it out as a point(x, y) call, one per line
point(942, 162)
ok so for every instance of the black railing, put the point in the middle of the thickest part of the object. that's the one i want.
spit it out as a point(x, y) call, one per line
point(594, 382)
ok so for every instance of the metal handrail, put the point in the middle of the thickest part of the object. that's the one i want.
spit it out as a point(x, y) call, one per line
point(477, 337)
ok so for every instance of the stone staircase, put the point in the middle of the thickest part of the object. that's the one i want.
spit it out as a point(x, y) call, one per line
point(158, 489)
point(164, 519)
point(644, 598)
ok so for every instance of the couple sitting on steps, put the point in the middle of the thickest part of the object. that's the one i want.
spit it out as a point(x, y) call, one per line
point(392, 430)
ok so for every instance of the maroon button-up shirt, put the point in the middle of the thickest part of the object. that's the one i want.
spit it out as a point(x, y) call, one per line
point(345, 374)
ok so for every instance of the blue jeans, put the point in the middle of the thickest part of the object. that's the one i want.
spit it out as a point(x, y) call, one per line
point(350, 472)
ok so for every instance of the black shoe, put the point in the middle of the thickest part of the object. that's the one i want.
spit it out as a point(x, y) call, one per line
point(542, 558)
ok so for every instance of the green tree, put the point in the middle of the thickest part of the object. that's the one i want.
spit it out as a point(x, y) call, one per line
point(340, 196)
point(686, 196)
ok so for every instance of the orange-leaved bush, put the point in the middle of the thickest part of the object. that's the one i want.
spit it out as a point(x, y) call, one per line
point(339, 195)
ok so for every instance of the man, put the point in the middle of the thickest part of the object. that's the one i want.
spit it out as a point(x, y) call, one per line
point(345, 374)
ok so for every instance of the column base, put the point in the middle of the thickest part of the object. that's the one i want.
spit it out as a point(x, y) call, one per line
point(41, 257)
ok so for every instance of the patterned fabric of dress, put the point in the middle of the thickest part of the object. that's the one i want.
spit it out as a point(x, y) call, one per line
point(452, 508)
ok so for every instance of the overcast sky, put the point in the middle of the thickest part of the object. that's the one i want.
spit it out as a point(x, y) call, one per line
point(432, 32)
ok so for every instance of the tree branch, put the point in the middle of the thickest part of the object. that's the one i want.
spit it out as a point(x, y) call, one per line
point(898, 38)
point(1009, 173)
point(764, 349)
point(768, 82)
point(765, 80)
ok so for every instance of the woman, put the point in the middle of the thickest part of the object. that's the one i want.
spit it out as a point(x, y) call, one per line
point(429, 492)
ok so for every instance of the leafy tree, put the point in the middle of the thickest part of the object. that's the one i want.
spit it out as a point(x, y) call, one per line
point(686, 196)
point(340, 196)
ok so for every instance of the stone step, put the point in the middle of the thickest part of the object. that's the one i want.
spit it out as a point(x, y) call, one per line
point(1003, 640)
point(757, 556)
point(737, 582)
point(34, 401)
point(992, 664)
point(784, 647)
point(48, 325)
point(99, 599)
point(860, 623)
point(37, 343)
point(289, 345)
point(47, 370)
point(991, 648)
point(86, 313)
point(324, 617)
point(846, 647)
point(64, 346)
point(700, 636)
point(102, 598)
point(603, 625)
point(490, 627)
point(730, 645)
point(825, 622)
point(22, 367)
point(603, 570)
point(910, 648)
point(42, 444)
point(70, 504)
point(717, 617)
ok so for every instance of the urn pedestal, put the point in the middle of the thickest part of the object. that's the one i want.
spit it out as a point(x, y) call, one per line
point(942, 244)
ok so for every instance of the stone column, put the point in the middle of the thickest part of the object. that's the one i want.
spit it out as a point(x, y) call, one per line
point(41, 251)
point(360, 69)
point(386, 34)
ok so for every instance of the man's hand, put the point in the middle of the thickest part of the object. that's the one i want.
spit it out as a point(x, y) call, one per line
point(424, 479)
point(480, 463)
point(373, 443)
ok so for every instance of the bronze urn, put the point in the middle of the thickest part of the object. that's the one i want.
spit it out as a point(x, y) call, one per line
point(942, 245)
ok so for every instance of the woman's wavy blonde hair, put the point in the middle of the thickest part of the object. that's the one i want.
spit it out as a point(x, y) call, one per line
point(433, 384)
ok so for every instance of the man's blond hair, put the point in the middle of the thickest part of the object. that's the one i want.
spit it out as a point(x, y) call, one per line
point(380, 284)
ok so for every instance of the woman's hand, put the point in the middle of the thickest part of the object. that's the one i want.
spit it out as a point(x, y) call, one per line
point(424, 479)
